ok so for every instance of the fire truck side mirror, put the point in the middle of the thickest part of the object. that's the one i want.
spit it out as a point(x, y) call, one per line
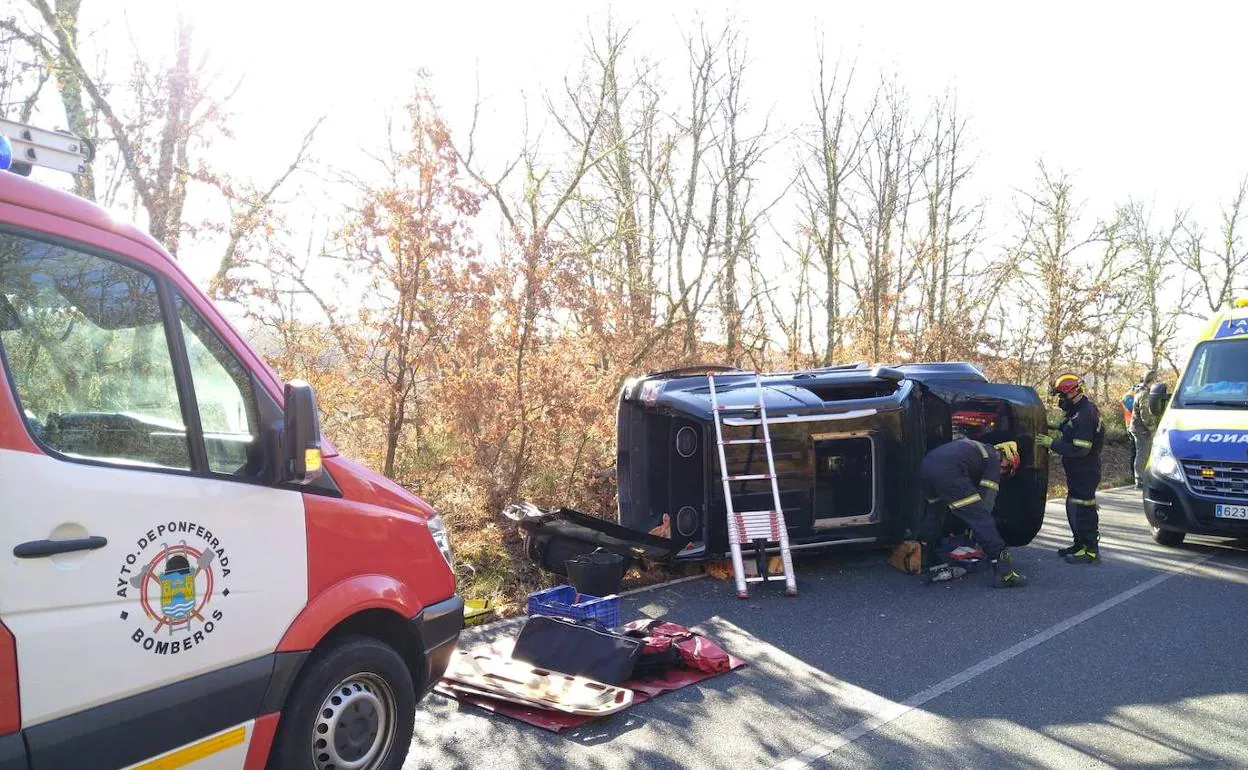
point(1157, 399)
point(301, 437)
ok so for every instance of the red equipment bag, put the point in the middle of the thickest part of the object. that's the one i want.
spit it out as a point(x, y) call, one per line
point(695, 650)
point(658, 656)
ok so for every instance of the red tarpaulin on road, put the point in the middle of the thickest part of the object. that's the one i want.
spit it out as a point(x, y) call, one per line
point(557, 721)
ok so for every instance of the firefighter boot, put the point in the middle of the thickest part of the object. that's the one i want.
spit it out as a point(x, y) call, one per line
point(1072, 518)
point(1003, 573)
point(1086, 554)
point(1070, 549)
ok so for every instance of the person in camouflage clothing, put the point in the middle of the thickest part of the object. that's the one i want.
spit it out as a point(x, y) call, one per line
point(1141, 426)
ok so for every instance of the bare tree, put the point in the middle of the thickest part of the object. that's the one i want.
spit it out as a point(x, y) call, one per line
point(952, 294)
point(829, 158)
point(169, 111)
point(879, 215)
point(1224, 270)
point(1058, 287)
point(740, 154)
point(693, 218)
point(1154, 278)
point(24, 71)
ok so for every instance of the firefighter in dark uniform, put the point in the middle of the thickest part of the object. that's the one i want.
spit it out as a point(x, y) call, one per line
point(963, 477)
point(1080, 442)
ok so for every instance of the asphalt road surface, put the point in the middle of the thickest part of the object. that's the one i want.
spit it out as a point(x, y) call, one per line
point(1137, 662)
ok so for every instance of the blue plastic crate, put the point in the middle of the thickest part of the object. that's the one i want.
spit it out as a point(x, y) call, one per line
point(565, 602)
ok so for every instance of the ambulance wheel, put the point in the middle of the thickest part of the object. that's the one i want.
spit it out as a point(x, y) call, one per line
point(353, 708)
point(1170, 537)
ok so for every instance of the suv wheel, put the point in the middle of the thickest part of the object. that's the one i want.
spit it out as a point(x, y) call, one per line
point(353, 708)
point(1170, 537)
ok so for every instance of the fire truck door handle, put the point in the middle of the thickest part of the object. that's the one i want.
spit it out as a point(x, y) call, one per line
point(36, 549)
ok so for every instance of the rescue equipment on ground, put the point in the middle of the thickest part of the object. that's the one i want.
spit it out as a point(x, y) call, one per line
point(907, 557)
point(695, 650)
point(517, 682)
point(599, 573)
point(565, 602)
point(560, 672)
point(577, 647)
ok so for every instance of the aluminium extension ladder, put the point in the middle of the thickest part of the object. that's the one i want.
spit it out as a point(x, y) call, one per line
point(756, 527)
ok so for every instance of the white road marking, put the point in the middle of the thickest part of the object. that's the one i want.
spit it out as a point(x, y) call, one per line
point(894, 711)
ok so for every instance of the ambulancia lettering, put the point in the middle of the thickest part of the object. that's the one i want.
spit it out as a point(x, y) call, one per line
point(1219, 438)
point(1232, 327)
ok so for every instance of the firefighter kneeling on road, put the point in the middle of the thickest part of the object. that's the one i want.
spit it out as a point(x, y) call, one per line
point(1082, 436)
point(963, 478)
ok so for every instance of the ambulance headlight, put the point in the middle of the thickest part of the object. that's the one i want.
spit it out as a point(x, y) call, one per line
point(437, 528)
point(1162, 460)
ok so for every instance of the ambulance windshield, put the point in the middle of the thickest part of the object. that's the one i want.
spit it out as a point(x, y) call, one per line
point(1217, 376)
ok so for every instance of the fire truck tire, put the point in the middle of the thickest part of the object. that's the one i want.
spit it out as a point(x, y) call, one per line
point(352, 708)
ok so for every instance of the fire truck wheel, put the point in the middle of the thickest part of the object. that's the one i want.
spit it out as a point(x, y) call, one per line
point(353, 708)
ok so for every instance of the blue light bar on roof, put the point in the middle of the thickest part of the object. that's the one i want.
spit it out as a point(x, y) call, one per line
point(6, 153)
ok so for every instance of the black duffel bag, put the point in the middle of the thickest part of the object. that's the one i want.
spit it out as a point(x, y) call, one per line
point(579, 648)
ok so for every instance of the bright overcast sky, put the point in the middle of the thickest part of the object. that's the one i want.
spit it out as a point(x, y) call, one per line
point(1134, 98)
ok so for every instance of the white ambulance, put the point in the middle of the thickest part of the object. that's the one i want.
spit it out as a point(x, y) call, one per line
point(1196, 480)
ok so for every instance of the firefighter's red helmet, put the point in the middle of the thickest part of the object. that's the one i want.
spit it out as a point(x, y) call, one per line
point(1010, 459)
point(1067, 384)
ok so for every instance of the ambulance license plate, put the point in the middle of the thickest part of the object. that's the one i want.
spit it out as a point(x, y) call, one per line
point(1230, 511)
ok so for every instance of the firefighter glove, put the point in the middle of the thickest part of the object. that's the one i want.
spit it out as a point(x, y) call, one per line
point(1044, 440)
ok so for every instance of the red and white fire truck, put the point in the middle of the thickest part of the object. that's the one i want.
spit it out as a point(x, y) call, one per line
point(190, 575)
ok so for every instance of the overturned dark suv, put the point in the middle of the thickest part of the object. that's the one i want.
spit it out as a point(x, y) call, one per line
point(847, 442)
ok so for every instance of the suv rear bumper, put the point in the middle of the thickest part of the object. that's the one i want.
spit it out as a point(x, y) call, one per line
point(1170, 505)
point(438, 627)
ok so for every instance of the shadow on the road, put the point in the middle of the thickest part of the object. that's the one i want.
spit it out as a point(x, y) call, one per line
point(863, 637)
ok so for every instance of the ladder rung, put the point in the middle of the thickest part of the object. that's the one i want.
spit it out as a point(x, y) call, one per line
point(776, 578)
point(753, 513)
point(745, 441)
point(751, 477)
point(739, 407)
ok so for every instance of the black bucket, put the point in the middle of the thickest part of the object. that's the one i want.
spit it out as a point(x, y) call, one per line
point(597, 574)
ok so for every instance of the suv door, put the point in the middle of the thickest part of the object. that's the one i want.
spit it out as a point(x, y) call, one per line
point(995, 412)
point(149, 573)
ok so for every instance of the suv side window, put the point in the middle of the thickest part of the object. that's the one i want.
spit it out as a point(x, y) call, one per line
point(226, 400)
point(86, 345)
